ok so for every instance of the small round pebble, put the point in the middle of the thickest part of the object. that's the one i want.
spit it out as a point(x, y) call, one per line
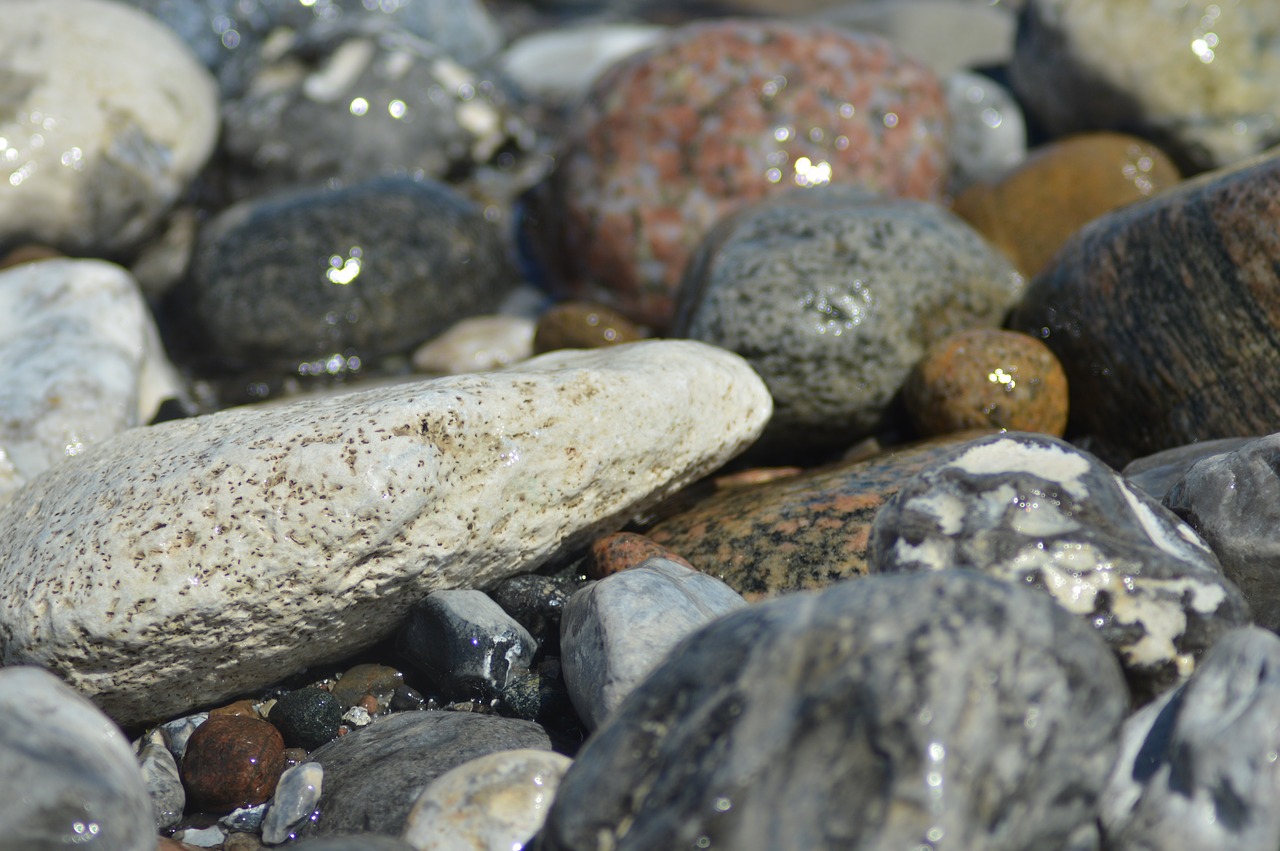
point(622, 550)
point(308, 717)
point(988, 378)
point(243, 708)
point(367, 680)
point(232, 761)
point(583, 325)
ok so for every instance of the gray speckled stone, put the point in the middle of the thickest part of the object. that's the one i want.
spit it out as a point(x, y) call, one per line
point(888, 712)
point(1158, 472)
point(833, 296)
point(150, 573)
point(1035, 511)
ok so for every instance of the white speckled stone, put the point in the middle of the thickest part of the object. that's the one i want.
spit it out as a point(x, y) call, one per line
point(105, 115)
point(988, 130)
point(84, 359)
point(496, 801)
point(476, 344)
point(219, 554)
point(559, 65)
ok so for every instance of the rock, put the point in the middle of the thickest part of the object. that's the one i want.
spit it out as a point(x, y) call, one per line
point(164, 782)
point(882, 713)
point(351, 507)
point(85, 363)
point(1031, 211)
point(833, 297)
point(987, 378)
point(477, 344)
point(307, 718)
point(245, 819)
point(494, 801)
point(94, 168)
point(617, 630)
point(1037, 512)
point(294, 801)
point(353, 842)
point(672, 139)
point(1146, 301)
point(559, 65)
point(77, 781)
point(620, 551)
point(1158, 473)
point(178, 732)
point(215, 30)
point(466, 643)
point(535, 602)
point(373, 775)
point(30, 253)
point(368, 680)
point(583, 325)
point(1197, 768)
point(232, 761)
point(988, 132)
point(1203, 82)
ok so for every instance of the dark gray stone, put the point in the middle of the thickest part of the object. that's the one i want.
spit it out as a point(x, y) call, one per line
point(307, 718)
point(1035, 511)
point(537, 603)
point(943, 709)
point(373, 775)
point(1199, 769)
point(1157, 473)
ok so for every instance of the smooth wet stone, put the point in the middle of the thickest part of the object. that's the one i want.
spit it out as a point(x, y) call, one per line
point(367, 680)
point(232, 761)
point(672, 139)
point(178, 732)
point(1031, 211)
point(214, 30)
point(536, 603)
point(1158, 473)
point(93, 168)
point(558, 65)
point(615, 631)
point(494, 801)
point(620, 551)
point(373, 775)
point(163, 779)
point(583, 325)
point(832, 297)
point(307, 717)
point(876, 714)
point(1035, 511)
point(70, 775)
point(132, 572)
point(988, 131)
point(353, 842)
point(298, 281)
point(477, 344)
point(85, 363)
point(1198, 769)
point(295, 799)
point(1200, 78)
point(1164, 314)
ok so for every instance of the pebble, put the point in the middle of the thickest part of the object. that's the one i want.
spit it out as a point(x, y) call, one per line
point(30, 253)
point(232, 761)
point(307, 718)
point(1158, 473)
point(494, 801)
point(368, 680)
point(477, 344)
point(536, 603)
point(987, 378)
point(353, 842)
point(295, 799)
point(559, 65)
point(988, 131)
point(349, 507)
point(164, 781)
point(620, 551)
point(583, 325)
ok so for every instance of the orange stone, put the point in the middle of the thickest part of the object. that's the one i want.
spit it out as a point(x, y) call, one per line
point(232, 761)
point(622, 550)
point(243, 708)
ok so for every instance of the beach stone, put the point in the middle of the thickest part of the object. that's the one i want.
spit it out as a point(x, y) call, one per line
point(323, 275)
point(307, 717)
point(77, 779)
point(988, 131)
point(295, 799)
point(178, 732)
point(373, 775)
point(883, 713)
point(232, 761)
point(494, 801)
point(351, 507)
point(558, 65)
point(1035, 511)
point(29, 253)
point(620, 551)
point(95, 168)
point(1203, 83)
point(1198, 767)
point(583, 325)
point(1158, 473)
point(353, 842)
point(214, 30)
point(615, 631)
point(987, 378)
point(704, 122)
point(536, 603)
point(1031, 211)
point(1145, 302)
point(833, 297)
point(477, 344)
point(367, 680)
point(85, 361)
point(163, 779)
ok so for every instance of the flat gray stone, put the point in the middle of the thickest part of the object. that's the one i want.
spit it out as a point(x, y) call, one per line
point(1159, 472)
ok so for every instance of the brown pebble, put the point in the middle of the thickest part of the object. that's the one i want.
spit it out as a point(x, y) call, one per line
point(582, 325)
point(369, 704)
point(380, 681)
point(987, 378)
point(27, 254)
point(755, 476)
point(294, 756)
point(167, 844)
point(232, 761)
point(243, 708)
point(242, 842)
point(623, 550)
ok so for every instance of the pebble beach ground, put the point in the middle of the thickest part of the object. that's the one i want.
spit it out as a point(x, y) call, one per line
point(627, 424)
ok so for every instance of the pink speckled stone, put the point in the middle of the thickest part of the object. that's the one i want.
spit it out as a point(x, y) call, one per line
point(718, 115)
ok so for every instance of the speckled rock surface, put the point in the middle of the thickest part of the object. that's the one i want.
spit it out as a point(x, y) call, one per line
point(355, 506)
point(713, 117)
point(1037, 512)
point(833, 297)
point(1165, 314)
point(878, 714)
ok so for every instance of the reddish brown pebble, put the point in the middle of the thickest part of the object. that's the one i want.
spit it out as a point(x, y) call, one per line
point(756, 476)
point(232, 761)
point(294, 756)
point(164, 843)
point(27, 254)
point(986, 378)
point(243, 708)
point(623, 550)
point(369, 704)
point(582, 325)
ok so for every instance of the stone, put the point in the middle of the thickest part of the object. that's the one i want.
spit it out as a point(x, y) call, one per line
point(987, 378)
point(583, 325)
point(1032, 210)
point(887, 712)
point(373, 775)
point(246, 708)
point(307, 717)
point(615, 631)
point(1144, 302)
point(232, 761)
point(245, 819)
point(93, 169)
point(178, 732)
point(988, 131)
point(85, 360)
point(353, 842)
point(1198, 767)
point(214, 30)
point(477, 344)
point(164, 781)
point(351, 507)
point(620, 551)
point(1036, 512)
point(672, 139)
point(71, 775)
point(30, 253)
point(295, 799)
point(558, 65)
point(536, 603)
point(1158, 473)
point(832, 297)
point(367, 680)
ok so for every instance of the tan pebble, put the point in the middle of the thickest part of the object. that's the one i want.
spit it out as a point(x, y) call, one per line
point(583, 325)
point(369, 704)
point(244, 708)
point(755, 476)
point(27, 254)
point(622, 550)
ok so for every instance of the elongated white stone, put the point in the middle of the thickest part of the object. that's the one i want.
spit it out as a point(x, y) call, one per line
point(186, 562)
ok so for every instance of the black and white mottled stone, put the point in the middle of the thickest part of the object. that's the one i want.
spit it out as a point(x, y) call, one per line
point(1035, 511)
point(1158, 473)
point(832, 296)
point(1233, 500)
point(164, 782)
point(537, 604)
point(1199, 769)
point(931, 710)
